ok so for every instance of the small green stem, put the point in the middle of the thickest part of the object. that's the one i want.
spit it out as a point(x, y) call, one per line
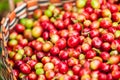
point(97, 50)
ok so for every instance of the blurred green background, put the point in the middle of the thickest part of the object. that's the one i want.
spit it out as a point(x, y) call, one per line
point(4, 7)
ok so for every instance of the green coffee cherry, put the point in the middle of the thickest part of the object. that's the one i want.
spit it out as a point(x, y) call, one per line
point(21, 51)
point(29, 23)
point(48, 13)
point(81, 3)
point(38, 65)
point(39, 71)
point(95, 4)
point(23, 21)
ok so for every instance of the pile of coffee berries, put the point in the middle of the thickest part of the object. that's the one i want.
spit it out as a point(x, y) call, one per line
point(79, 42)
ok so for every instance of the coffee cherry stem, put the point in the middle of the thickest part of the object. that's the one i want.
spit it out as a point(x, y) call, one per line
point(97, 50)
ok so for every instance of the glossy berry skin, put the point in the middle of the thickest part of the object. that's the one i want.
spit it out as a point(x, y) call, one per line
point(65, 77)
point(67, 15)
point(115, 16)
point(45, 24)
point(75, 77)
point(114, 67)
point(66, 22)
point(87, 23)
point(105, 46)
point(115, 44)
point(94, 74)
point(28, 51)
point(25, 68)
point(93, 17)
point(113, 8)
point(116, 74)
point(77, 27)
point(54, 50)
point(18, 63)
point(95, 25)
point(54, 38)
point(81, 39)
point(86, 64)
point(23, 42)
point(37, 13)
point(76, 53)
point(112, 29)
point(59, 24)
point(45, 35)
point(55, 60)
point(50, 74)
point(89, 9)
point(105, 24)
point(105, 55)
point(84, 71)
point(90, 54)
point(118, 48)
point(102, 76)
point(47, 46)
point(67, 6)
point(96, 42)
point(61, 43)
point(64, 33)
point(38, 46)
point(41, 77)
point(48, 66)
point(95, 64)
point(63, 54)
point(109, 37)
point(85, 47)
point(63, 68)
point(109, 76)
point(37, 31)
point(40, 55)
point(73, 41)
point(72, 61)
point(85, 31)
point(76, 69)
point(78, 48)
point(32, 63)
point(32, 76)
point(94, 33)
point(45, 59)
point(105, 67)
point(114, 59)
point(73, 33)
point(19, 28)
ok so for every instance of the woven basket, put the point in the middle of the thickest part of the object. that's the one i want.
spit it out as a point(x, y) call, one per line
point(23, 10)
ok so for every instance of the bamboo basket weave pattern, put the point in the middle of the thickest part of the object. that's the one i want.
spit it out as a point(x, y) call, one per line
point(22, 11)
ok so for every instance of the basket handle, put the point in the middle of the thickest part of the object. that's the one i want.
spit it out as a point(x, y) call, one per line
point(12, 4)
